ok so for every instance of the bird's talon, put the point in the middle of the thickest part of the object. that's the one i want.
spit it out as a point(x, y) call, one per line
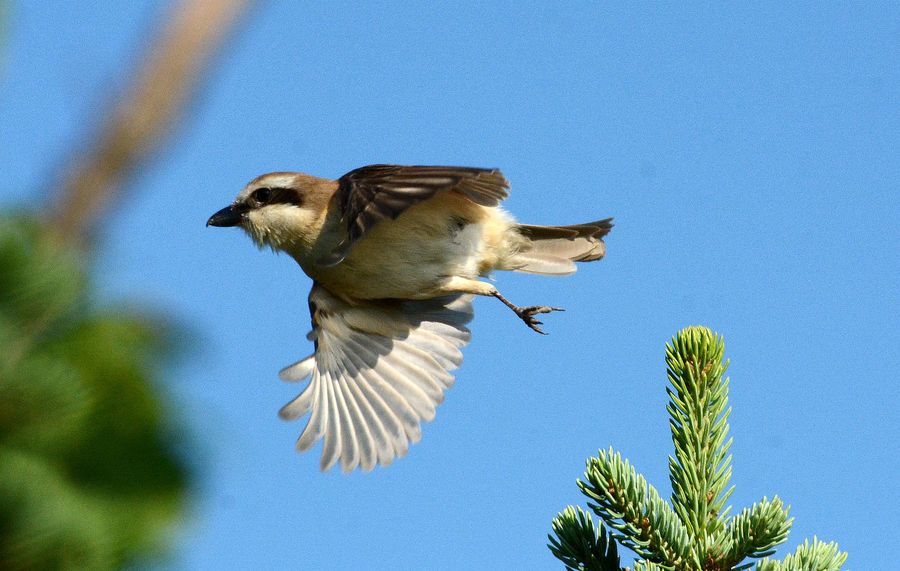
point(527, 314)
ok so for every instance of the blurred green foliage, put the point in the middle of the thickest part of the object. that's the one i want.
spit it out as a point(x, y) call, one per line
point(88, 474)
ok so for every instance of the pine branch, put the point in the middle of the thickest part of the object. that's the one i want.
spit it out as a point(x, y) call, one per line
point(580, 545)
point(695, 534)
point(815, 556)
point(755, 532)
point(627, 503)
point(699, 411)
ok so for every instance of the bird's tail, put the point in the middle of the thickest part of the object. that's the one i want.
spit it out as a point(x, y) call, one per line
point(552, 250)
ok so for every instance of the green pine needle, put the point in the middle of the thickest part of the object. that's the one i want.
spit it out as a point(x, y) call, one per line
point(815, 556)
point(648, 566)
point(698, 406)
point(580, 545)
point(756, 531)
point(627, 503)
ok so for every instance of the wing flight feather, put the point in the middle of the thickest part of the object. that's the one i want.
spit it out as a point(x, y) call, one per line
point(378, 372)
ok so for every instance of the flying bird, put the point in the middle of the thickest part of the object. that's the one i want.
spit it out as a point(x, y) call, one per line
point(395, 254)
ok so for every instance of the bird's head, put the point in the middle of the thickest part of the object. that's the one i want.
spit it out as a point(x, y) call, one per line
point(282, 210)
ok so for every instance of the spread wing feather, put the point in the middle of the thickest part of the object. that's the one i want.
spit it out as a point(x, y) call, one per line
point(372, 194)
point(378, 371)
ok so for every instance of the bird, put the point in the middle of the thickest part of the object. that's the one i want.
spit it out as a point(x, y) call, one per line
point(395, 254)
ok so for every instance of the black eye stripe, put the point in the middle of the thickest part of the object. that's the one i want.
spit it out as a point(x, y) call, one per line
point(265, 195)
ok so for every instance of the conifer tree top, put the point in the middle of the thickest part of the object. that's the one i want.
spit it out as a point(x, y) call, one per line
point(695, 531)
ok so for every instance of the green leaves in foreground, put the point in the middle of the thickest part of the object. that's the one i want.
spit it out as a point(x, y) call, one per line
point(88, 478)
point(694, 532)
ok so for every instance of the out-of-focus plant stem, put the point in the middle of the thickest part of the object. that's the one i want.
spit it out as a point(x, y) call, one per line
point(158, 94)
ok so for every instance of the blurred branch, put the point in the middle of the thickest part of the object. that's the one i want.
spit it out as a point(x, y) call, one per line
point(159, 93)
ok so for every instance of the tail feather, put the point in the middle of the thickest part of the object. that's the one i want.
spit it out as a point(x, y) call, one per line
point(552, 250)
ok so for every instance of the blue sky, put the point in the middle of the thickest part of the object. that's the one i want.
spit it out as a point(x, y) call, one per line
point(749, 155)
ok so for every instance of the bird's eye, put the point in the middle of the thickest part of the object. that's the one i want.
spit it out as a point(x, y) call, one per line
point(262, 195)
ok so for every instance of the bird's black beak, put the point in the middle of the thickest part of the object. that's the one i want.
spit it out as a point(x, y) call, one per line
point(228, 216)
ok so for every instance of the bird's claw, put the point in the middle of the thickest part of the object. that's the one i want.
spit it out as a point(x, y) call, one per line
point(527, 314)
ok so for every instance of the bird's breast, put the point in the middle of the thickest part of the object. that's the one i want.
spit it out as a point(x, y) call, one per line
point(411, 256)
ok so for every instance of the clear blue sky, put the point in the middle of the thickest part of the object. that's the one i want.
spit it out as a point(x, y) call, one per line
point(750, 155)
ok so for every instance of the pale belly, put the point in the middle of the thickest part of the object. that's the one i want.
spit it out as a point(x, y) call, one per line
point(412, 256)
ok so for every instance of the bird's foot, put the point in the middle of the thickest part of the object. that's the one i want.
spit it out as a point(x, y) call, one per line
point(527, 314)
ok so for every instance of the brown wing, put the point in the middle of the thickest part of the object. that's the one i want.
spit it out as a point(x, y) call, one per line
point(374, 193)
